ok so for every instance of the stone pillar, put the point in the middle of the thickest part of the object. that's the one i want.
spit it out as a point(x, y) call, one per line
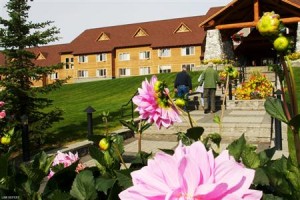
point(298, 38)
point(213, 45)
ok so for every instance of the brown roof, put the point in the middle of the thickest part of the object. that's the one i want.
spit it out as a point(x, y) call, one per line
point(160, 34)
point(231, 13)
point(51, 54)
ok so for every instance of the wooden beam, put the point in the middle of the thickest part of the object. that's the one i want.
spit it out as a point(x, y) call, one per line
point(290, 20)
point(256, 10)
point(236, 25)
point(253, 24)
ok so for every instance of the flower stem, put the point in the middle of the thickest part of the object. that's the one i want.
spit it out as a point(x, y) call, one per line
point(287, 70)
point(140, 137)
point(120, 156)
point(223, 103)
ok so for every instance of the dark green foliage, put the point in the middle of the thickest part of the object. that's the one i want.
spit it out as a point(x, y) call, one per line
point(17, 36)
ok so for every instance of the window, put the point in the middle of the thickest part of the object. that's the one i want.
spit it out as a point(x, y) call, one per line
point(189, 67)
point(144, 70)
point(69, 63)
point(144, 55)
point(83, 59)
point(101, 57)
point(164, 69)
point(54, 76)
point(101, 72)
point(164, 52)
point(186, 51)
point(124, 56)
point(124, 72)
point(83, 74)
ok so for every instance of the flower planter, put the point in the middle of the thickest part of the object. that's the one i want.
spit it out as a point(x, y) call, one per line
point(254, 104)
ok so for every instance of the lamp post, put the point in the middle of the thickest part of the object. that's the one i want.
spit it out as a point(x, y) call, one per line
point(89, 111)
point(25, 138)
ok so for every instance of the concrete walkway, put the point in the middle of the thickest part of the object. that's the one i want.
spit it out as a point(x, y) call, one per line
point(255, 125)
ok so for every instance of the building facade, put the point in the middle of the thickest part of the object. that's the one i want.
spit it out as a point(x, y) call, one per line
point(167, 45)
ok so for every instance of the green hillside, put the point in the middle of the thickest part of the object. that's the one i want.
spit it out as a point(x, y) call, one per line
point(106, 95)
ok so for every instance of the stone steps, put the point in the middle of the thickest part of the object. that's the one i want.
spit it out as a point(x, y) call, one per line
point(255, 125)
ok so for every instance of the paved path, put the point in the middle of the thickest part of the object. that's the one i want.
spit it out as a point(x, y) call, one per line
point(255, 125)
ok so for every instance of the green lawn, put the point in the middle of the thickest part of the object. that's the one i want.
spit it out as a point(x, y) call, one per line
point(106, 95)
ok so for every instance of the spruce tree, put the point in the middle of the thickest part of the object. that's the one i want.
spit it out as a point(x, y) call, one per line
point(18, 74)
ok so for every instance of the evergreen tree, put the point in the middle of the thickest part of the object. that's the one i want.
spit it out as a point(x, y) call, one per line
point(17, 36)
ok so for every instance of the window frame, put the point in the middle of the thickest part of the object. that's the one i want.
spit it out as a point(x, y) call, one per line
point(99, 74)
point(54, 76)
point(168, 69)
point(142, 70)
point(127, 71)
point(83, 59)
point(188, 51)
point(165, 52)
point(84, 75)
point(144, 55)
point(189, 66)
point(101, 57)
point(124, 56)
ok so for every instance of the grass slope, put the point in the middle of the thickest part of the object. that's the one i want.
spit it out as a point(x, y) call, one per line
point(106, 95)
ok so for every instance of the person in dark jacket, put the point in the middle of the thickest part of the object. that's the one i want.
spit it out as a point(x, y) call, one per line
point(183, 84)
point(210, 78)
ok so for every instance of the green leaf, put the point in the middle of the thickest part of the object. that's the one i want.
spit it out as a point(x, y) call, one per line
point(260, 177)
point(97, 154)
point(217, 119)
point(266, 155)
point(83, 187)
point(236, 147)
point(62, 180)
point(215, 138)
point(4, 165)
point(167, 151)
point(59, 195)
point(295, 122)
point(195, 133)
point(273, 106)
point(130, 124)
point(271, 197)
point(250, 158)
point(293, 175)
point(145, 126)
point(104, 184)
point(276, 173)
point(114, 192)
point(124, 178)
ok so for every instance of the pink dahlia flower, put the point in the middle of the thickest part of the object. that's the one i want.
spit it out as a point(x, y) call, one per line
point(66, 159)
point(2, 114)
point(153, 104)
point(192, 173)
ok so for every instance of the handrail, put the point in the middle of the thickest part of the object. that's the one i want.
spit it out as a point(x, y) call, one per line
point(124, 105)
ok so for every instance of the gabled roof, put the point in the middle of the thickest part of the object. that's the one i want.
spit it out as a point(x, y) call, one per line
point(182, 28)
point(102, 37)
point(160, 34)
point(249, 11)
point(140, 33)
point(51, 54)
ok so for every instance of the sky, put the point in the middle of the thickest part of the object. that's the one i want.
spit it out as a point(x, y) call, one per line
point(72, 17)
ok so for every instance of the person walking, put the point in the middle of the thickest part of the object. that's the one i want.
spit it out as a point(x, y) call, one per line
point(200, 89)
point(210, 79)
point(183, 84)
